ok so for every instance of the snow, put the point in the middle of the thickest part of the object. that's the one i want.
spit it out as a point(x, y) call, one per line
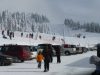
point(70, 65)
point(55, 10)
point(90, 40)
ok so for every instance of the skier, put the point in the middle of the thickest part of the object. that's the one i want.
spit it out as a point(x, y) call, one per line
point(22, 34)
point(10, 35)
point(2, 32)
point(7, 32)
point(4, 36)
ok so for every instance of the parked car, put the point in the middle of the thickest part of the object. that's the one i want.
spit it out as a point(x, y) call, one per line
point(68, 49)
point(33, 50)
point(5, 60)
point(85, 49)
point(79, 50)
point(18, 52)
point(92, 48)
point(57, 47)
point(41, 47)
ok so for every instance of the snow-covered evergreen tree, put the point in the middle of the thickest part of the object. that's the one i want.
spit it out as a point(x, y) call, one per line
point(17, 21)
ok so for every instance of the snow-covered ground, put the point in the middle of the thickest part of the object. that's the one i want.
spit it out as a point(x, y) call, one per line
point(70, 65)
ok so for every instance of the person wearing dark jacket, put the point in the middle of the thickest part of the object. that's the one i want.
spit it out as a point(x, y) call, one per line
point(98, 50)
point(96, 60)
point(58, 55)
point(51, 55)
point(46, 55)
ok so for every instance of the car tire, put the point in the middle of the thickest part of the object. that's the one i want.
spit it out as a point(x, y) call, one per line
point(67, 53)
point(2, 63)
point(22, 61)
point(81, 52)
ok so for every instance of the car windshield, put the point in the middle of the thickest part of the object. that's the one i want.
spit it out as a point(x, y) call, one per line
point(26, 48)
point(40, 47)
point(3, 48)
point(33, 48)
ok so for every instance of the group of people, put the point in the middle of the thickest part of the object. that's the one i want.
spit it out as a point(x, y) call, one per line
point(46, 55)
point(10, 34)
point(27, 35)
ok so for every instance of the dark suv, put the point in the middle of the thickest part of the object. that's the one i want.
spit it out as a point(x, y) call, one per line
point(43, 46)
point(18, 52)
point(5, 60)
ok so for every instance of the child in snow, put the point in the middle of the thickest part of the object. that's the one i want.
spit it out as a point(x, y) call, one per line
point(39, 59)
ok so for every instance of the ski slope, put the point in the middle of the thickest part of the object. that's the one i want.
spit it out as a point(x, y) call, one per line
point(89, 41)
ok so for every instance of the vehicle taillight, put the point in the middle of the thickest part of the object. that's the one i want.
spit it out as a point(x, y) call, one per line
point(65, 46)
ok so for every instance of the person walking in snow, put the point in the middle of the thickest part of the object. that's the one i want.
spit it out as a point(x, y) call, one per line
point(98, 50)
point(46, 55)
point(96, 61)
point(58, 55)
point(51, 55)
point(39, 59)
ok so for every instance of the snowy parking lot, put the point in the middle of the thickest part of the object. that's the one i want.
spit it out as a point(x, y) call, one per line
point(70, 65)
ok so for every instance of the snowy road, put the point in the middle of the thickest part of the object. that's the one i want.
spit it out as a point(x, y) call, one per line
point(70, 65)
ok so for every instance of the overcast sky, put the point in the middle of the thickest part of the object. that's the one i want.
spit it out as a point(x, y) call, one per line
point(57, 10)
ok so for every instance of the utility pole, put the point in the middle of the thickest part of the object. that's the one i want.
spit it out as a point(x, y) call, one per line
point(64, 34)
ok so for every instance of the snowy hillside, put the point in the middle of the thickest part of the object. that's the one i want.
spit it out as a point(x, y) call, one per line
point(90, 40)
